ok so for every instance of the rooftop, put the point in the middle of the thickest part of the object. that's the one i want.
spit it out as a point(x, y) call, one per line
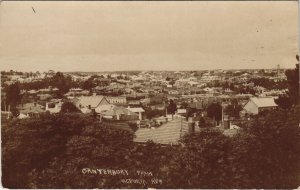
point(136, 109)
point(93, 101)
point(264, 101)
point(168, 133)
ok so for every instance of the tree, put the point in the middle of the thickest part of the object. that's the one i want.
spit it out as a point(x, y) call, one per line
point(201, 162)
point(256, 157)
point(13, 96)
point(270, 141)
point(293, 84)
point(15, 112)
point(31, 159)
point(172, 107)
point(184, 105)
point(61, 82)
point(202, 122)
point(233, 109)
point(284, 102)
point(261, 71)
point(231, 87)
point(51, 151)
point(172, 82)
point(69, 107)
point(214, 111)
point(88, 84)
point(190, 112)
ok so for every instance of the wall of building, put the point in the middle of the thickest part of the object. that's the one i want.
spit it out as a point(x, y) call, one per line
point(251, 107)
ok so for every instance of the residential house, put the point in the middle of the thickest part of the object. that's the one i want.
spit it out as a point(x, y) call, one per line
point(138, 110)
point(120, 113)
point(76, 92)
point(54, 106)
point(30, 109)
point(257, 104)
point(117, 100)
point(97, 103)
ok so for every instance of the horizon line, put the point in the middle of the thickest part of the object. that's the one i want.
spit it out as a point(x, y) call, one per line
point(147, 70)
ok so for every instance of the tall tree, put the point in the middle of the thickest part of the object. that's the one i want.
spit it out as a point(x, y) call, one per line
point(268, 148)
point(172, 107)
point(69, 107)
point(214, 111)
point(201, 162)
point(284, 102)
point(233, 109)
point(293, 84)
point(13, 96)
point(61, 82)
point(63, 145)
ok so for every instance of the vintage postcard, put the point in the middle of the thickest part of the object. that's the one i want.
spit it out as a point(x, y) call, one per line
point(149, 94)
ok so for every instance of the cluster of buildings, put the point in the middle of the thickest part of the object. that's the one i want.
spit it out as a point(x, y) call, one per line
point(128, 96)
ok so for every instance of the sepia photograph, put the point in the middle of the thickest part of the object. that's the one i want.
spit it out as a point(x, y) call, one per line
point(150, 94)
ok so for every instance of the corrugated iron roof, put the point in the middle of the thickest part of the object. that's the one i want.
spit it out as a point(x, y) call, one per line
point(264, 101)
point(168, 133)
point(93, 101)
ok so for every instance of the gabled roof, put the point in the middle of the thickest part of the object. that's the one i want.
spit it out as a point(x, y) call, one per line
point(264, 101)
point(118, 111)
point(168, 133)
point(136, 109)
point(93, 101)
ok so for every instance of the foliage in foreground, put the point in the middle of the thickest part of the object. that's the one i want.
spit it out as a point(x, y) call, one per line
point(50, 152)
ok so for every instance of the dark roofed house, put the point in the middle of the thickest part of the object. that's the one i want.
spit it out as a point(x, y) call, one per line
point(168, 133)
point(120, 113)
point(54, 106)
point(123, 125)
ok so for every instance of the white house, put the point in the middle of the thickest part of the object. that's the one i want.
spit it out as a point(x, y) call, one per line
point(88, 103)
point(258, 104)
point(117, 99)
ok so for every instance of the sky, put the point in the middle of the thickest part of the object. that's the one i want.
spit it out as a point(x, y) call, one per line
point(115, 36)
